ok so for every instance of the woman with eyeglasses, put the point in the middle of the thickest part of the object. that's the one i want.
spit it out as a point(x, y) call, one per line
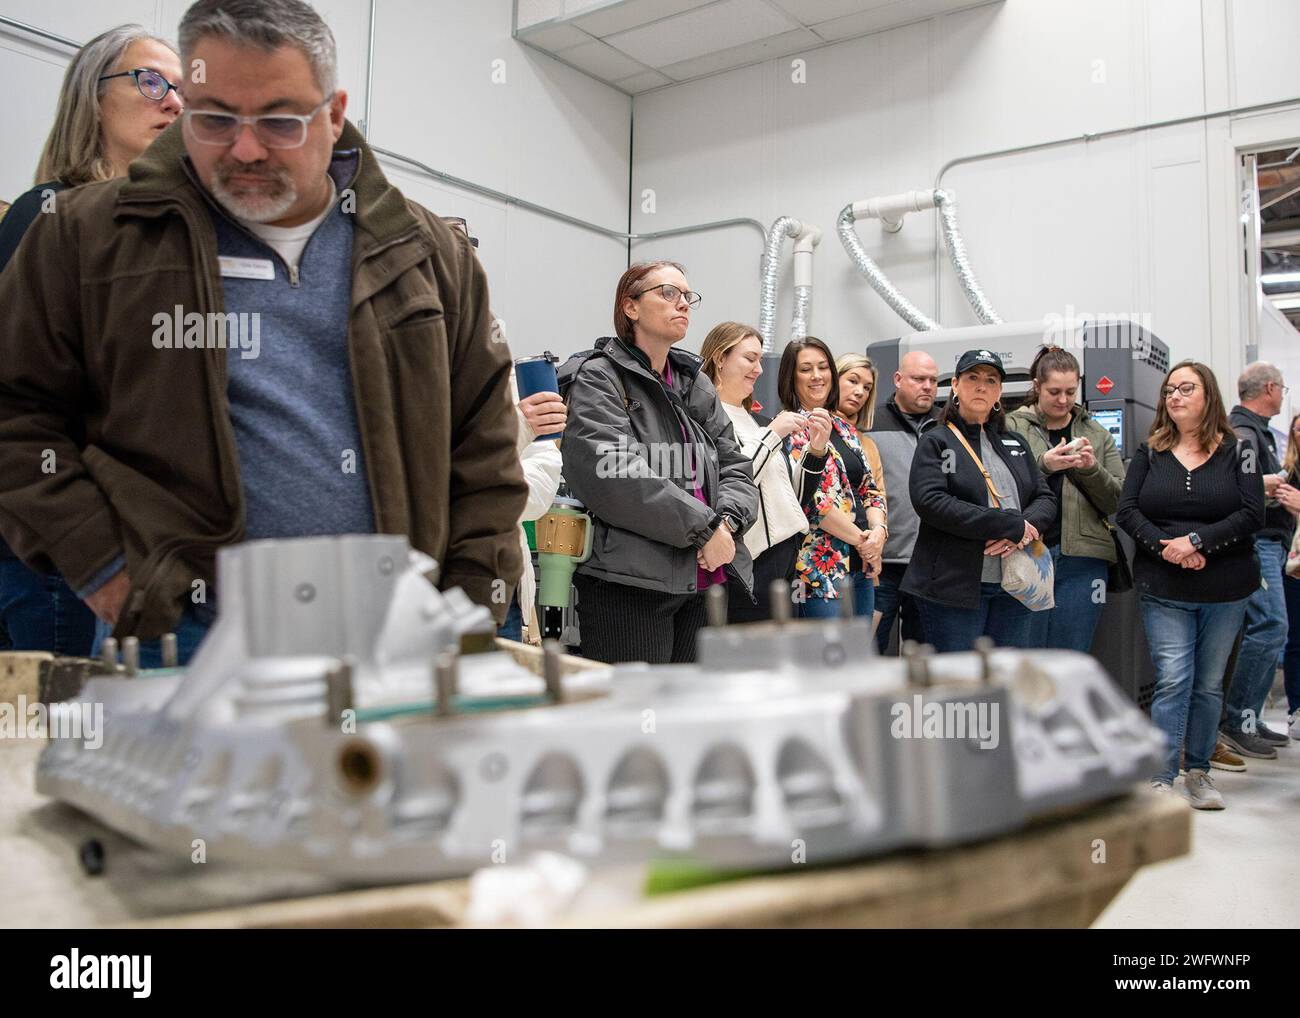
point(1086, 479)
point(1192, 505)
point(119, 93)
point(651, 453)
point(839, 492)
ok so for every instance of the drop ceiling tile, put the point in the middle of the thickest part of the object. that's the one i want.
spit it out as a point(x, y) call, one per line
point(619, 17)
point(643, 82)
point(717, 27)
point(532, 12)
point(812, 12)
point(739, 56)
point(554, 37)
point(900, 12)
point(602, 61)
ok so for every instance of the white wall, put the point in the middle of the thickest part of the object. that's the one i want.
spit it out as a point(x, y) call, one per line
point(547, 134)
point(1139, 224)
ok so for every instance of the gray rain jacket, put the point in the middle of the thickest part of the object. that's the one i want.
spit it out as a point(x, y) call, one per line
point(626, 460)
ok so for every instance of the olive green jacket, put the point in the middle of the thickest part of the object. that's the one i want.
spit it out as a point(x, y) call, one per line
point(1082, 531)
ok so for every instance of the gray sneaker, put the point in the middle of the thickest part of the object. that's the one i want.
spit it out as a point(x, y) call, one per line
point(1199, 791)
point(1268, 735)
point(1248, 745)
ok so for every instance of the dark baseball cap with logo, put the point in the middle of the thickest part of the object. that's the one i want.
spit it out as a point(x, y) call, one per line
point(974, 358)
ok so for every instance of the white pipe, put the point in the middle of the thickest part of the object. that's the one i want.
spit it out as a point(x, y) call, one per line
point(890, 209)
point(809, 237)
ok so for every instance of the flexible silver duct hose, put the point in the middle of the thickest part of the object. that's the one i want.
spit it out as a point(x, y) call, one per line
point(785, 226)
point(802, 303)
point(947, 207)
point(904, 307)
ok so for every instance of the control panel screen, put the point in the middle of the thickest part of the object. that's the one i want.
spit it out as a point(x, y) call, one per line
point(1113, 421)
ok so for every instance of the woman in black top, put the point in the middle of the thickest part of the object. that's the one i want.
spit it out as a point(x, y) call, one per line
point(956, 567)
point(1192, 507)
point(118, 95)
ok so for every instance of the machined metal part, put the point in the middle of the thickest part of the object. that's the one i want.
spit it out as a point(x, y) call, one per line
point(445, 679)
point(108, 653)
point(552, 670)
point(170, 656)
point(779, 732)
point(131, 655)
point(715, 605)
point(778, 593)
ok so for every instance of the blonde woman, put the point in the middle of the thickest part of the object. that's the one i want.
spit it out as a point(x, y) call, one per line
point(733, 359)
point(857, 405)
point(118, 95)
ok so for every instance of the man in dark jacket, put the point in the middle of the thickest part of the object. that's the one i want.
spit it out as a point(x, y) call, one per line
point(253, 335)
point(1260, 390)
point(896, 429)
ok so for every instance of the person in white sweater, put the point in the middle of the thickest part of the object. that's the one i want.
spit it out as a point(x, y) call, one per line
point(542, 413)
point(733, 360)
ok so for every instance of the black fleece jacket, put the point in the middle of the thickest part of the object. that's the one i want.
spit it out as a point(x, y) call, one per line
point(952, 503)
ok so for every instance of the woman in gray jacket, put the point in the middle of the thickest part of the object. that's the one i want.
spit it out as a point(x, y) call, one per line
point(650, 451)
point(1087, 482)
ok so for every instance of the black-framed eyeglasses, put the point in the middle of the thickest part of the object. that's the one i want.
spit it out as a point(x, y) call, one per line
point(274, 130)
point(150, 84)
point(672, 294)
point(457, 223)
point(1184, 390)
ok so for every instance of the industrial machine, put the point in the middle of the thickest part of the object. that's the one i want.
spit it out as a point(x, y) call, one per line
point(344, 717)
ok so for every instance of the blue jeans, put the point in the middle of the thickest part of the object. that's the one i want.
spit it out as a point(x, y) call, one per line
point(1291, 656)
point(891, 603)
point(1262, 642)
point(190, 631)
point(1190, 645)
point(1071, 624)
point(999, 616)
point(42, 612)
point(864, 601)
point(513, 627)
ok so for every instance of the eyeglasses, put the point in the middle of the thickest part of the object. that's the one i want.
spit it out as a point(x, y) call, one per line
point(150, 84)
point(1186, 389)
point(671, 294)
point(457, 223)
point(1285, 388)
point(273, 130)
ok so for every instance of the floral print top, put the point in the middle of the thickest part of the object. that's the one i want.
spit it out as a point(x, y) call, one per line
point(824, 559)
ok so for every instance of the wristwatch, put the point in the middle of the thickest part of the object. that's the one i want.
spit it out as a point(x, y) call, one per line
point(730, 523)
point(1195, 538)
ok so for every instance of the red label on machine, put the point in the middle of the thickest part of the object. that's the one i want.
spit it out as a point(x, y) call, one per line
point(1104, 385)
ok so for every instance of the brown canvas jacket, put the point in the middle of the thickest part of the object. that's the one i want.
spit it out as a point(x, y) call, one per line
point(111, 447)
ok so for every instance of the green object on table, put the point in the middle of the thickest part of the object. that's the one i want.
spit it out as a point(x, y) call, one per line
point(668, 876)
point(530, 531)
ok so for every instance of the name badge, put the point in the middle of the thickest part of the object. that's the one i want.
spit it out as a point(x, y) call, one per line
point(246, 268)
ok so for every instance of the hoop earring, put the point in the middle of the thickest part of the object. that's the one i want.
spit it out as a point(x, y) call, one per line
point(997, 407)
point(954, 399)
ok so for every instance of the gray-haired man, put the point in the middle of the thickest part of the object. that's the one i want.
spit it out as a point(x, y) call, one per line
point(1261, 390)
point(359, 391)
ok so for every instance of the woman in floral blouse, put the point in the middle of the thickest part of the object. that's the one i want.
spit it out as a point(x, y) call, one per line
point(844, 504)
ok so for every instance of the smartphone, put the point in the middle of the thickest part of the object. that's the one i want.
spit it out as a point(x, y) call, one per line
point(1074, 446)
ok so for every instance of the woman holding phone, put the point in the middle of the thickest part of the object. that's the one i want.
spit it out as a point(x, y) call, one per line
point(1086, 474)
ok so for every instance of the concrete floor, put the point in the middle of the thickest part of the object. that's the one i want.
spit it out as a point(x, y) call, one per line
point(1244, 865)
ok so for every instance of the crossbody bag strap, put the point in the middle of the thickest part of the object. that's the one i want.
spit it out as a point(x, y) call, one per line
point(1105, 522)
point(993, 492)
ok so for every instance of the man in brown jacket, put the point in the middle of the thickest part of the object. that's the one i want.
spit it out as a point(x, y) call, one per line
point(252, 335)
